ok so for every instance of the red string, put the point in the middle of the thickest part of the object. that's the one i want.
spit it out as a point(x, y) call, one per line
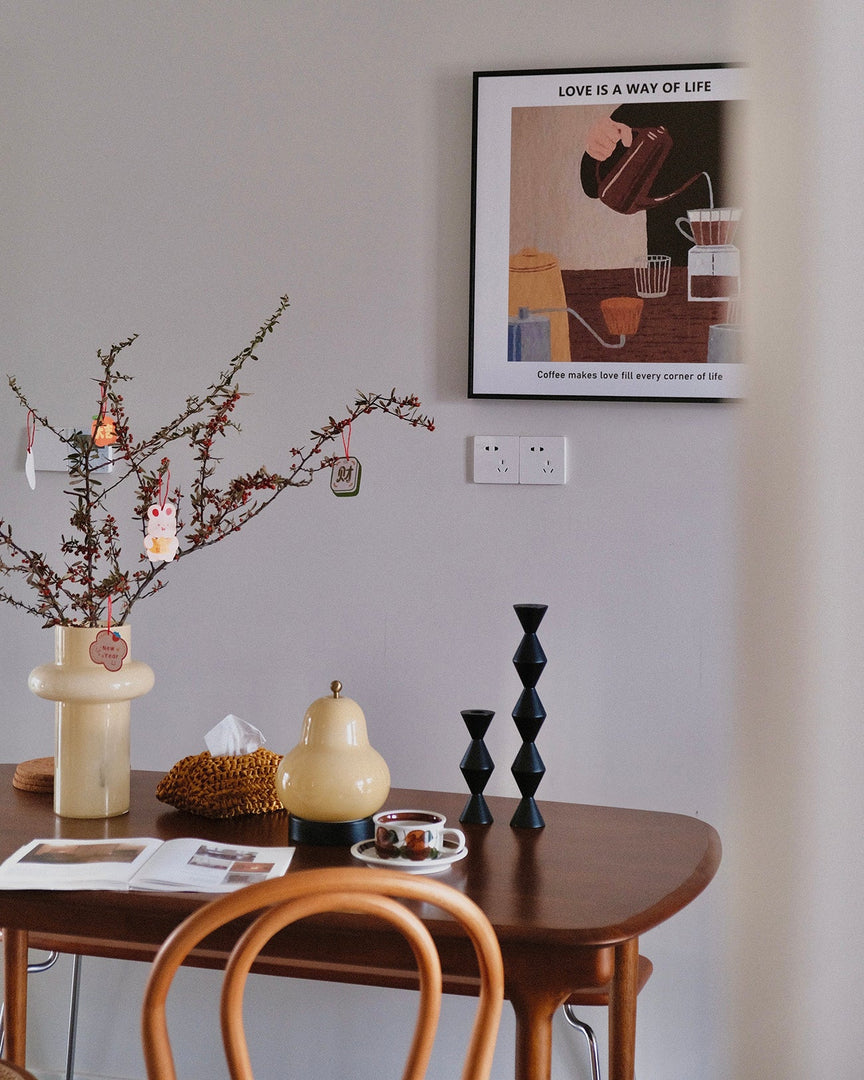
point(31, 429)
point(346, 442)
point(164, 485)
point(109, 612)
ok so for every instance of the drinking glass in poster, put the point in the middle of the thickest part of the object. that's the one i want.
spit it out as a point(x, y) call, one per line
point(608, 234)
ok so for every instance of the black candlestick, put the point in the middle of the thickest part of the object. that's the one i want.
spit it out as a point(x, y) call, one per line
point(477, 766)
point(528, 768)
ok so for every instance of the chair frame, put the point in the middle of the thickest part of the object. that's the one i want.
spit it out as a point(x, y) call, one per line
point(8, 1071)
point(599, 996)
point(34, 967)
point(298, 895)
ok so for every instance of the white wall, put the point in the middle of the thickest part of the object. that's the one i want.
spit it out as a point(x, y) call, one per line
point(795, 842)
point(171, 169)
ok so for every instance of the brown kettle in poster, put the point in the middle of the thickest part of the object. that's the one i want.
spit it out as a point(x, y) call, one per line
point(606, 234)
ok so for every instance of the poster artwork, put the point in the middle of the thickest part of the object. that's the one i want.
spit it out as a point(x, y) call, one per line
point(607, 240)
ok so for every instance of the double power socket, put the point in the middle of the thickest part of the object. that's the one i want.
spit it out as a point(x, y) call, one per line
point(520, 459)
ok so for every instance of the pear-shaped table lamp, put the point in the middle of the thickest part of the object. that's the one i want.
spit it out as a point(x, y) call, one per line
point(333, 781)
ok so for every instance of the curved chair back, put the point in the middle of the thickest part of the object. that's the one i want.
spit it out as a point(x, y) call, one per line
point(297, 895)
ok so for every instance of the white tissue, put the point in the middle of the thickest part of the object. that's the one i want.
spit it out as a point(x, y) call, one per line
point(232, 737)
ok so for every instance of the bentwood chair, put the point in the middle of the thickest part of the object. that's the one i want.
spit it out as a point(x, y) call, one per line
point(34, 966)
point(46, 964)
point(353, 890)
point(599, 996)
point(14, 1072)
point(37, 776)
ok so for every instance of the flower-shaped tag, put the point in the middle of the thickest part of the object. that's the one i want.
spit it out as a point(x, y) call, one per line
point(109, 650)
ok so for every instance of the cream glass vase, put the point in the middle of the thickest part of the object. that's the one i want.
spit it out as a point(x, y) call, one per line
point(92, 680)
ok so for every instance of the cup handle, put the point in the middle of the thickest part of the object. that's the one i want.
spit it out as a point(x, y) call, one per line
point(456, 836)
point(685, 232)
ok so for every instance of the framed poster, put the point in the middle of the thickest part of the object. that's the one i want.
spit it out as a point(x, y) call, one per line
point(607, 238)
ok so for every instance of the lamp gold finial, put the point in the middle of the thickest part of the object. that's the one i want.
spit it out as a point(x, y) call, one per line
point(336, 687)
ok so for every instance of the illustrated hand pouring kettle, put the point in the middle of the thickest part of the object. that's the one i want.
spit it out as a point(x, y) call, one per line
point(626, 185)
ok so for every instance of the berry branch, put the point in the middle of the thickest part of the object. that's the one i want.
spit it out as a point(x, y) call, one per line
point(92, 569)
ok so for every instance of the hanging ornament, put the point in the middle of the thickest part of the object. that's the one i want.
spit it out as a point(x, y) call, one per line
point(108, 648)
point(29, 463)
point(161, 543)
point(104, 428)
point(345, 474)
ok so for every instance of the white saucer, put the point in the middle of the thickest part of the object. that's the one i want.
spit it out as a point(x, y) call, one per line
point(365, 851)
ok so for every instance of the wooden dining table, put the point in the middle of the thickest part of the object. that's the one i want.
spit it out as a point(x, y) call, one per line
point(568, 902)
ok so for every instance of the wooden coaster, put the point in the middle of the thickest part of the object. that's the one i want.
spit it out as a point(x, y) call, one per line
point(35, 775)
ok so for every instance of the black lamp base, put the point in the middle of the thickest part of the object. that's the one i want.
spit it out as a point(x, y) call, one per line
point(329, 833)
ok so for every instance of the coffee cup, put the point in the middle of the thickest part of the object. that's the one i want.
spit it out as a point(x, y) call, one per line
point(414, 835)
point(725, 343)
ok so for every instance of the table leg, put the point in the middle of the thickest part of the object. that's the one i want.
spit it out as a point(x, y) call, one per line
point(15, 979)
point(534, 1015)
point(622, 1011)
point(537, 983)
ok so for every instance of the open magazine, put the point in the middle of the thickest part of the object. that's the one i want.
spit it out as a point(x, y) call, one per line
point(183, 865)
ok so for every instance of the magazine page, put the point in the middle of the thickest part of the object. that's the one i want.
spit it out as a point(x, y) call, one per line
point(190, 865)
point(77, 864)
point(186, 865)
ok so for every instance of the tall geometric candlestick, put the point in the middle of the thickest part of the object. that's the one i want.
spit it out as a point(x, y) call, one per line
point(477, 766)
point(528, 768)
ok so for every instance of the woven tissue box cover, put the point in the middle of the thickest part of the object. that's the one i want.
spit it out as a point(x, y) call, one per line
point(222, 787)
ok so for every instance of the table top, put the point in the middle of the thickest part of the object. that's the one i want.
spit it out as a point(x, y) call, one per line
point(594, 876)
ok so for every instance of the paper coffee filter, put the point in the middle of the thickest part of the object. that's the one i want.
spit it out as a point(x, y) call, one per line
point(730, 216)
point(622, 314)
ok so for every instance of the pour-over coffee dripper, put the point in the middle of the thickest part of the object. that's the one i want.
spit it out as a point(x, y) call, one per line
point(714, 226)
point(713, 263)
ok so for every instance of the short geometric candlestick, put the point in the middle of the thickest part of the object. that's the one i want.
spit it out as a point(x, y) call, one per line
point(477, 766)
point(528, 768)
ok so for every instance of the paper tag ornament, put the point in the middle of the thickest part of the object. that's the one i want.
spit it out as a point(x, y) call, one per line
point(30, 470)
point(109, 650)
point(29, 462)
point(160, 543)
point(103, 430)
point(345, 476)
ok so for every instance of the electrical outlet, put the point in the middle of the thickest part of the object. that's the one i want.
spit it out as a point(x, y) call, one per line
point(496, 459)
point(542, 459)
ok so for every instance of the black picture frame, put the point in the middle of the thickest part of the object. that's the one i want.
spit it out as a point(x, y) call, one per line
point(561, 304)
